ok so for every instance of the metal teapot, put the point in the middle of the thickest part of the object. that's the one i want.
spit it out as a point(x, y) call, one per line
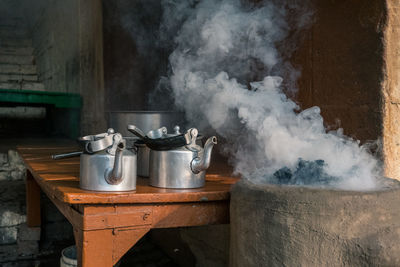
point(182, 167)
point(106, 164)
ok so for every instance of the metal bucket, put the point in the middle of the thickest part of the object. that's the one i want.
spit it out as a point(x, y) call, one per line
point(146, 121)
point(68, 257)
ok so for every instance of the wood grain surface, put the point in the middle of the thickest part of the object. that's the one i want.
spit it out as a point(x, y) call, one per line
point(60, 179)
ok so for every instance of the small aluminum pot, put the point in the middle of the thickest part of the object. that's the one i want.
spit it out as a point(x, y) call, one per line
point(181, 168)
point(93, 169)
point(145, 120)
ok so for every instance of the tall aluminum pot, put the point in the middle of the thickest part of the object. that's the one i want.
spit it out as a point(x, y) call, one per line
point(146, 121)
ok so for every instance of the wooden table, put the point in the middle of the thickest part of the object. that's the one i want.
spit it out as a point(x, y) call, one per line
point(107, 225)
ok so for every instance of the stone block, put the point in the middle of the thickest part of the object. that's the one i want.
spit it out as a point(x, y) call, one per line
point(16, 50)
point(15, 160)
point(15, 59)
point(16, 175)
point(35, 86)
point(21, 112)
point(24, 263)
point(17, 42)
point(17, 69)
point(26, 233)
point(28, 248)
point(17, 77)
point(195, 246)
point(8, 253)
point(209, 244)
point(5, 175)
point(8, 235)
point(13, 32)
point(12, 191)
point(3, 158)
point(12, 202)
point(11, 214)
point(10, 85)
point(12, 167)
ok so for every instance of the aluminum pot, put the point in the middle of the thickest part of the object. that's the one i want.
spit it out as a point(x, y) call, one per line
point(143, 159)
point(183, 167)
point(146, 121)
point(107, 165)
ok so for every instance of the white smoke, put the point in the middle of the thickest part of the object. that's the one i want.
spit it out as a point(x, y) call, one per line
point(219, 46)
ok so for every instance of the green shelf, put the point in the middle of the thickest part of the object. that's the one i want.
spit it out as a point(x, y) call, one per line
point(59, 100)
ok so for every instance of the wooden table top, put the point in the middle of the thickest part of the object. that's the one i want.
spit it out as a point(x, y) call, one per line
point(60, 179)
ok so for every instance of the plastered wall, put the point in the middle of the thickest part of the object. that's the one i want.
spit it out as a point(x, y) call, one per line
point(391, 91)
point(68, 44)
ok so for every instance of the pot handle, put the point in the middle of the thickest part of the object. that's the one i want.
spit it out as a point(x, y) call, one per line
point(114, 176)
point(67, 155)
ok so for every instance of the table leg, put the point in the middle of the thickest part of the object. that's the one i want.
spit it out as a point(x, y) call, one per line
point(94, 248)
point(105, 247)
point(32, 201)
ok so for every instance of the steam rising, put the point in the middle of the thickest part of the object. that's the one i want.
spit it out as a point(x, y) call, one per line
point(223, 44)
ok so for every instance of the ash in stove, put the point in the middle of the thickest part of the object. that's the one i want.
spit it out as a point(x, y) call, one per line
point(306, 173)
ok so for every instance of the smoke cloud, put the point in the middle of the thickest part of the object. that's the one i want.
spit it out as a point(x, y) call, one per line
point(222, 45)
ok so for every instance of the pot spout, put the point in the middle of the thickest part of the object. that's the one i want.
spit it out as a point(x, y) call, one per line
point(202, 161)
point(114, 176)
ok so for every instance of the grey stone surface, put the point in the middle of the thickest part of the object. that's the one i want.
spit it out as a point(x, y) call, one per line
point(3, 159)
point(195, 246)
point(22, 85)
point(17, 69)
point(8, 253)
point(26, 233)
point(22, 263)
point(12, 191)
point(12, 167)
point(294, 226)
point(7, 42)
point(20, 112)
point(8, 235)
point(17, 77)
point(28, 248)
point(11, 214)
point(14, 159)
point(35, 86)
point(12, 203)
point(209, 244)
point(16, 59)
point(16, 50)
